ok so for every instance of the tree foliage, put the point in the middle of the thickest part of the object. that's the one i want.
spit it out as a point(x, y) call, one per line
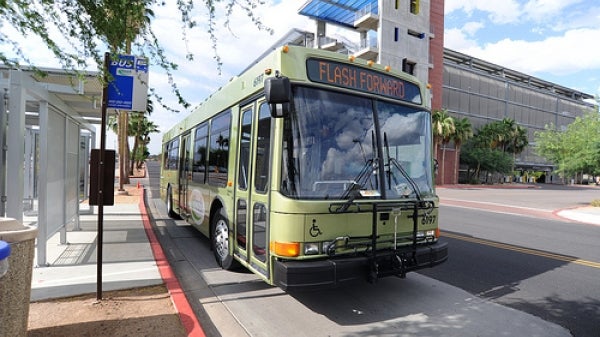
point(493, 148)
point(484, 160)
point(89, 27)
point(574, 150)
point(443, 131)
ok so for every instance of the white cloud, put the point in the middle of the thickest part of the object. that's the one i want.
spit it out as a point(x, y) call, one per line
point(456, 39)
point(505, 11)
point(472, 27)
point(544, 10)
point(514, 11)
point(569, 53)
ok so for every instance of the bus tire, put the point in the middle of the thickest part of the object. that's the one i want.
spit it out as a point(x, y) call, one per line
point(170, 212)
point(220, 241)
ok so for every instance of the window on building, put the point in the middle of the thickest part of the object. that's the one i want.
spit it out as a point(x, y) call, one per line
point(396, 34)
point(416, 34)
point(408, 66)
point(414, 6)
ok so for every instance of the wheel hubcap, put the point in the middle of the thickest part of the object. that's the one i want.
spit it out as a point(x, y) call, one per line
point(222, 239)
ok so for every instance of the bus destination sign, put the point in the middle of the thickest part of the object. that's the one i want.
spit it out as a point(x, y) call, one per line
point(365, 80)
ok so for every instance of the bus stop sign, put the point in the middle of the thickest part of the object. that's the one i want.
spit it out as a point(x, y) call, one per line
point(128, 89)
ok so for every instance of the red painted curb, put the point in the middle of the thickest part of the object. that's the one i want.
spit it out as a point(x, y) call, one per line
point(183, 307)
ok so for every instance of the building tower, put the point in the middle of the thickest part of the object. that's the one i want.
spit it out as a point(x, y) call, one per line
point(398, 33)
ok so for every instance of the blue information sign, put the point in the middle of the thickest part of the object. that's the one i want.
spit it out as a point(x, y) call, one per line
point(128, 89)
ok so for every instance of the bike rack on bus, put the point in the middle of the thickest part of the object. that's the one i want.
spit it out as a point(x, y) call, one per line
point(398, 261)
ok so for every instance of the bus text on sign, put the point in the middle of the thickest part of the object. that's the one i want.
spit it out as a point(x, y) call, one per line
point(128, 89)
point(365, 80)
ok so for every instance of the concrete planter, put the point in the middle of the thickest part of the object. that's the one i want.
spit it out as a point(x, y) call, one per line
point(15, 286)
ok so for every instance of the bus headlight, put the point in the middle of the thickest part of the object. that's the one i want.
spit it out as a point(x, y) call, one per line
point(427, 235)
point(311, 249)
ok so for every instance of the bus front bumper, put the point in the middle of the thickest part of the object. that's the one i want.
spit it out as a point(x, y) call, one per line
point(335, 271)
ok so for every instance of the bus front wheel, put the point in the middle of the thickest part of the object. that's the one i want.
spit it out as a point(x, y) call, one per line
point(220, 241)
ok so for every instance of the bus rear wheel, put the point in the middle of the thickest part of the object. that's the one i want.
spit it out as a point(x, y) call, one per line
point(220, 241)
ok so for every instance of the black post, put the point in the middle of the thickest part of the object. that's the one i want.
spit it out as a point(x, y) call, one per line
point(101, 180)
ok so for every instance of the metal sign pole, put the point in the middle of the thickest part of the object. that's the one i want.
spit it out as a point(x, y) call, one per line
point(101, 181)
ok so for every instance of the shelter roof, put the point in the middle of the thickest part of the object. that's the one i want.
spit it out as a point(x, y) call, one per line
point(340, 12)
point(82, 93)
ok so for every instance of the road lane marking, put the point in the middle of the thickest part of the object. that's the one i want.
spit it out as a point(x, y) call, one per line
point(495, 204)
point(503, 209)
point(529, 251)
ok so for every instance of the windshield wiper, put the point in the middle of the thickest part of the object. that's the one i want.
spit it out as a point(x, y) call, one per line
point(353, 190)
point(391, 161)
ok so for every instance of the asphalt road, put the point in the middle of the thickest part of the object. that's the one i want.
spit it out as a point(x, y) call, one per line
point(464, 303)
point(509, 247)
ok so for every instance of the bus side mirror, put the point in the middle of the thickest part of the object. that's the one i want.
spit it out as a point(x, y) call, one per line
point(278, 92)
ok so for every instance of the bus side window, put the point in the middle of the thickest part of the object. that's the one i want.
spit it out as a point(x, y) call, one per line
point(172, 160)
point(246, 133)
point(165, 154)
point(200, 144)
point(218, 157)
point(263, 149)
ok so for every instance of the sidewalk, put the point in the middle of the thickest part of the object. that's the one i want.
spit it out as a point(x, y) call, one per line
point(128, 261)
point(589, 214)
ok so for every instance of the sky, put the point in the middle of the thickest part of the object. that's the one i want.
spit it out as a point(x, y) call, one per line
point(555, 40)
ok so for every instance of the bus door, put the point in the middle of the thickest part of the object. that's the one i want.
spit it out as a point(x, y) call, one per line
point(184, 176)
point(251, 202)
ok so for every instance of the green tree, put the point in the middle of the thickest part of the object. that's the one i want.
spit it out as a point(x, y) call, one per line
point(483, 160)
point(463, 131)
point(443, 129)
point(518, 142)
point(576, 149)
point(141, 128)
point(512, 138)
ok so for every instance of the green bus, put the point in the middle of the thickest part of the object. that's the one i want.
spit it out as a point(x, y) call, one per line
point(311, 169)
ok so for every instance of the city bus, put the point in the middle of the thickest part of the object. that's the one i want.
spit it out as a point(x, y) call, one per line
point(311, 169)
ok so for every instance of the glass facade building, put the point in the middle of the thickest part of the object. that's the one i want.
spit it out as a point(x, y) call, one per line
point(484, 93)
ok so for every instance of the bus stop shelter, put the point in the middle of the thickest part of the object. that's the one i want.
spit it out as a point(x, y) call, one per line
point(47, 129)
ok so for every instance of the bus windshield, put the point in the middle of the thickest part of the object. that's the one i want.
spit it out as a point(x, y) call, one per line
point(330, 147)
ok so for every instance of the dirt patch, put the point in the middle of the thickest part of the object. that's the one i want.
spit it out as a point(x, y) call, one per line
point(145, 311)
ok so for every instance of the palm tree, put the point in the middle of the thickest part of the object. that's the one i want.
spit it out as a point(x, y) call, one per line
point(518, 142)
point(148, 128)
point(136, 129)
point(463, 130)
point(443, 129)
point(144, 128)
point(507, 129)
